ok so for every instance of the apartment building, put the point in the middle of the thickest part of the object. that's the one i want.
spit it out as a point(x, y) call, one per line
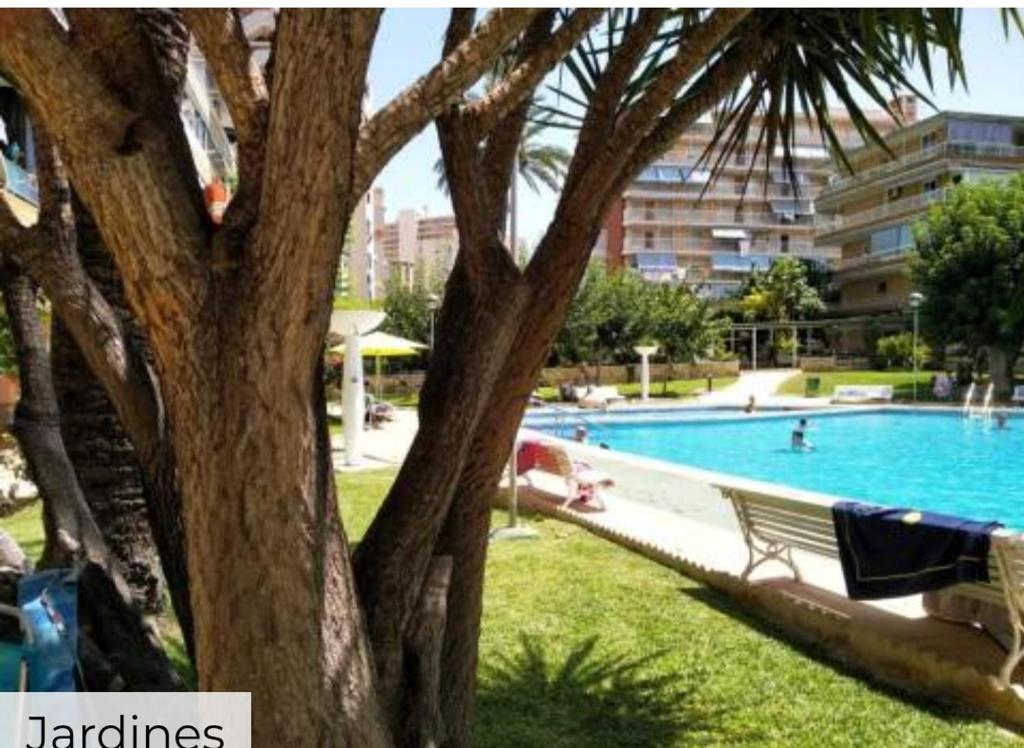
point(675, 223)
point(413, 247)
point(870, 213)
point(207, 123)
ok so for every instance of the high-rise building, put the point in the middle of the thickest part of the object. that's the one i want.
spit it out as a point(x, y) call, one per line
point(207, 123)
point(870, 213)
point(675, 223)
point(413, 247)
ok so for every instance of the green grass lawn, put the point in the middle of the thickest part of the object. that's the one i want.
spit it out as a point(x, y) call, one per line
point(902, 382)
point(588, 645)
point(676, 388)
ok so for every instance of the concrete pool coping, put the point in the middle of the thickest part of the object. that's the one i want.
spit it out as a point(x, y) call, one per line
point(674, 515)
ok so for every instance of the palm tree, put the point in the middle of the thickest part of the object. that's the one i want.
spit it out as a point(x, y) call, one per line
point(538, 164)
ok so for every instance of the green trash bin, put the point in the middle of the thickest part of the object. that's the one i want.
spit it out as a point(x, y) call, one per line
point(812, 387)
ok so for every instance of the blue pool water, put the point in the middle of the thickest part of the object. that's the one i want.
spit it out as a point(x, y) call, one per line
point(927, 460)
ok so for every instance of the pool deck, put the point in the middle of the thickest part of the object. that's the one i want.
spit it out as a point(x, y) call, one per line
point(669, 514)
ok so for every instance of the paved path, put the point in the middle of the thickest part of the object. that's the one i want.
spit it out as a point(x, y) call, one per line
point(762, 384)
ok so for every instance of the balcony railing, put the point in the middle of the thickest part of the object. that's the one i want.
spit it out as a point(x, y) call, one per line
point(950, 149)
point(18, 181)
point(826, 223)
point(760, 247)
point(698, 217)
point(871, 259)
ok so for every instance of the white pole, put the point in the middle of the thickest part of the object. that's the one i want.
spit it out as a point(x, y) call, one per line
point(513, 490)
point(353, 399)
point(753, 351)
point(913, 354)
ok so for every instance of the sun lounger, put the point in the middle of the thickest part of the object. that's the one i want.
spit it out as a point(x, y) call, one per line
point(773, 526)
point(597, 397)
point(583, 482)
point(1018, 394)
point(862, 393)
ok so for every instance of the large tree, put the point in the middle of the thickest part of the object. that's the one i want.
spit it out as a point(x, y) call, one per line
point(380, 649)
point(970, 267)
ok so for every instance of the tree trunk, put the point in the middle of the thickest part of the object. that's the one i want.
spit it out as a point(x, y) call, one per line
point(119, 651)
point(275, 606)
point(103, 456)
point(1001, 361)
point(465, 533)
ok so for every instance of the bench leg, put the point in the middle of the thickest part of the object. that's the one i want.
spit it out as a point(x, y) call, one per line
point(1014, 605)
point(760, 551)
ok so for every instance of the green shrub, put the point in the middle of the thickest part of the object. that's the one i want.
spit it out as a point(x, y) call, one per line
point(896, 352)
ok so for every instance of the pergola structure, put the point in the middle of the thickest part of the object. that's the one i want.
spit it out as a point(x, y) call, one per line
point(751, 330)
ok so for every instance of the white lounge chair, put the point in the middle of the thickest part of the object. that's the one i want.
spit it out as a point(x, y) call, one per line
point(862, 393)
point(1018, 394)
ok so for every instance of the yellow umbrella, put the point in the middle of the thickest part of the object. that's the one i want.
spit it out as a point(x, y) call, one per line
point(382, 345)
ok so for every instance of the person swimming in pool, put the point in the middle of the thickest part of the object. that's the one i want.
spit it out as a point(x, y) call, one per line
point(798, 439)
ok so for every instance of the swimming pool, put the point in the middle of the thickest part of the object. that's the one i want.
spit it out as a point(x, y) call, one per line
point(937, 461)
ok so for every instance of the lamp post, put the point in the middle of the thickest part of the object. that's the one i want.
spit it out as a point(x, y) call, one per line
point(645, 351)
point(433, 303)
point(915, 299)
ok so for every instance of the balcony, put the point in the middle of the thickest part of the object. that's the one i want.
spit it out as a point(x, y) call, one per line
point(917, 203)
point(953, 149)
point(702, 217)
point(873, 262)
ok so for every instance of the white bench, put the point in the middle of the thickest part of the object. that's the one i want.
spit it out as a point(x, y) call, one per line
point(1018, 394)
point(773, 526)
point(862, 393)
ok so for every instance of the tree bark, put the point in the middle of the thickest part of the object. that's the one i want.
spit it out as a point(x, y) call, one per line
point(1001, 362)
point(104, 457)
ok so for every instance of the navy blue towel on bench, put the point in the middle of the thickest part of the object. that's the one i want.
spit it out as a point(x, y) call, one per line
point(889, 552)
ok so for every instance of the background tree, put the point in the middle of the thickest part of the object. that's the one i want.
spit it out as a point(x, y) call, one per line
point(782, 293)
point(684, 326)
point(409, 309)
point(970, 268)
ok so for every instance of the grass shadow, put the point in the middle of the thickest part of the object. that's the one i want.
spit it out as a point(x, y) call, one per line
point(531, 698)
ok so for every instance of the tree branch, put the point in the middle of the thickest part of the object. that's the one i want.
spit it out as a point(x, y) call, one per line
point(395, 124)
point(519, 84)
point(320, 62)
point(695, 48)
point(127, 171)
point(724, 76)
point(597, 174)
point(599, 120)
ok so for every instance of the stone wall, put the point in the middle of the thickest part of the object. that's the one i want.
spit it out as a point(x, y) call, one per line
point(411, 381)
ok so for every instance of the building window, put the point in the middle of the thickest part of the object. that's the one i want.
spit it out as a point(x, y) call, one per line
point(882, 288)
point(649, 239)
point(894, 193)
point(958, 178)
point(784, 241)
point(930, 139)
point(931, 185)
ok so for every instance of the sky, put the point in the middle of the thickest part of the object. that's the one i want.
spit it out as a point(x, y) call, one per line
point(409, 43)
